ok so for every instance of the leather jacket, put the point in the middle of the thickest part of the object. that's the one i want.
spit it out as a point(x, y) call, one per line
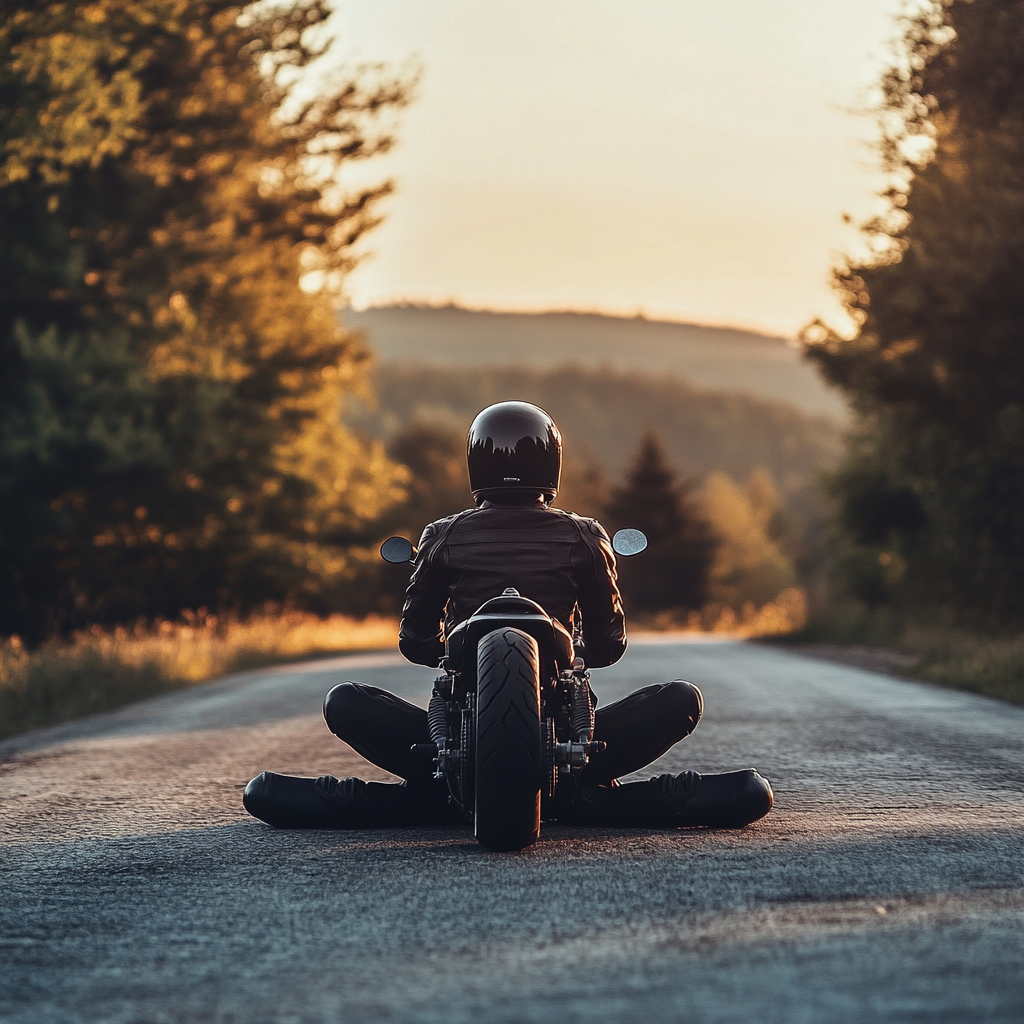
point(558, 559)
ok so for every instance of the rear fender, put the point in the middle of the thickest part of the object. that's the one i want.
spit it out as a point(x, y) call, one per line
point(552, 638)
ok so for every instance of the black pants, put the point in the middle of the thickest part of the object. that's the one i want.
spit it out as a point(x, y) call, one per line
point(638, 729)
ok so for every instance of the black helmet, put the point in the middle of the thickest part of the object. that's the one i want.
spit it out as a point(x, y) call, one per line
point(514, 446)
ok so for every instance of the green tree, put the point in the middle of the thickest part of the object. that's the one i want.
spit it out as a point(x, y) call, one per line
point(931, 495)
point(749, 563)
point(170, 403)
point(674, 571)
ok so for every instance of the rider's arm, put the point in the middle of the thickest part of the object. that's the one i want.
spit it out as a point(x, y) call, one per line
point(604, 625)
point(420, 637)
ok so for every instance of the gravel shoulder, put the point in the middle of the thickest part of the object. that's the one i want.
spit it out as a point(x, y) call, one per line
point(887, 885)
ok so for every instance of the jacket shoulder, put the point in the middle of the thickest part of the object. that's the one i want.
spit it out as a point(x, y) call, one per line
point(588, 527)
point(434, 531)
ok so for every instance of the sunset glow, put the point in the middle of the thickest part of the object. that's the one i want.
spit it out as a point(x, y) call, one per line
point(689, 161)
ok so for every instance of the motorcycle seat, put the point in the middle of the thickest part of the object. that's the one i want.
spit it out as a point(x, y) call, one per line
point(552, 637)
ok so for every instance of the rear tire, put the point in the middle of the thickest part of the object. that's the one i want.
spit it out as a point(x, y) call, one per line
point(509, 762)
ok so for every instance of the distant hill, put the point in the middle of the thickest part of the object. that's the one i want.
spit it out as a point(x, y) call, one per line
point(607, 411)
point(711, 357)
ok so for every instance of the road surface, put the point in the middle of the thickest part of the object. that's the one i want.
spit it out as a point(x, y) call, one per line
point(887, 885)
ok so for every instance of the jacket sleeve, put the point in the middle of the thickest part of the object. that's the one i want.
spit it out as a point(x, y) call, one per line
point(604, 624)
point(421, 635)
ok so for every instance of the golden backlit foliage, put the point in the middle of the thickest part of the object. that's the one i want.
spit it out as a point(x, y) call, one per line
point(170, 431)
point(753, 585)
point(785, 614)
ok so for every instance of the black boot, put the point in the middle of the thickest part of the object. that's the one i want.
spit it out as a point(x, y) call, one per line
point(729, 800)
point(671, 801)
point(285, 801)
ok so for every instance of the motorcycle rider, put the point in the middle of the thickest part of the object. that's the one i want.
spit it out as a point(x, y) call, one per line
point(513, 537)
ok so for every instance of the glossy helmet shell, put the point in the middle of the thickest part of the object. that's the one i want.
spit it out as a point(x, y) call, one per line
point(514, 446)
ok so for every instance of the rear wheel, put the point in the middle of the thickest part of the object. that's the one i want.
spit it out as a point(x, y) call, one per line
point(509, 765)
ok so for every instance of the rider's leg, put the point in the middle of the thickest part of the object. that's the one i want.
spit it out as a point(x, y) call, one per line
point(729, 800)
point(382, 728)
point(285, 801)
point(641, 727)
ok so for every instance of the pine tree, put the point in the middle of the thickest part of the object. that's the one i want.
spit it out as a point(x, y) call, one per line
point(170, 429)
point(674, 571)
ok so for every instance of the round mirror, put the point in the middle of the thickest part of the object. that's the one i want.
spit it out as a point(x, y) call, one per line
point(629, 542)
point(397, 550)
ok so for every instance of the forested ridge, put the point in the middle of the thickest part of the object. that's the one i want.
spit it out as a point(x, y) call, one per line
point(603, 414)
point(721, 358)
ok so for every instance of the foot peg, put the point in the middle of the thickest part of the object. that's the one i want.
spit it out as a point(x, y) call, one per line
point(576, 755)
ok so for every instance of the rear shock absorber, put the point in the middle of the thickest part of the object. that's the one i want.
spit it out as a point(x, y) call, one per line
point(574, 754)
point(581, 717)
point(437, 720)
point(437, 723)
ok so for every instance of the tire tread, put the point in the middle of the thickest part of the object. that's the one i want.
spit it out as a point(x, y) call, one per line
point(509, 765)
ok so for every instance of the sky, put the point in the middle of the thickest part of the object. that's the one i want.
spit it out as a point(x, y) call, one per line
point(682, 159)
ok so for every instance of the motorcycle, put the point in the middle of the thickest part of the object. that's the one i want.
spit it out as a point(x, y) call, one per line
point(511, 715)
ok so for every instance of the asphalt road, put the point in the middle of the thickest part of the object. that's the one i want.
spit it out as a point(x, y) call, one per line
point(887, 885)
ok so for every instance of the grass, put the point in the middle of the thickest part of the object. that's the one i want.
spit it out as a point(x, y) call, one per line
point(956, 657)
point(990, 665)
point(102, 669)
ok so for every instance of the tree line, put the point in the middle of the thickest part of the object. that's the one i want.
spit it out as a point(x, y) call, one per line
point(930, 496)
point(703, 429)
point(173, 240)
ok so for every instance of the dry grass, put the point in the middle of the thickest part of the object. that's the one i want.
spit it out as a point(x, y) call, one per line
point(785, 615)
point(966, 661)
point(958, 657)
point(102, 669)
